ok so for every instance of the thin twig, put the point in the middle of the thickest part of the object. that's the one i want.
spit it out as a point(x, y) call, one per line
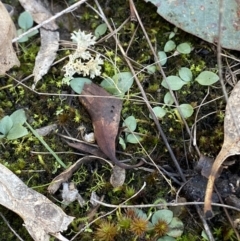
point(227, 214)
point(164, 204)
point(194, 127)
point(5, 220)
point(46, 145)
point(163, 73)
point(205, 224)
point(143, 93)
point(106, 214)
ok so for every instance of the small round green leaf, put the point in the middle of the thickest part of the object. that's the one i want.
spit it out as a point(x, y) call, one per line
point(169, 46)
point(133, 138)
point(165, 214)
point(17, 131)
point(175, 228)
point(151, 69)
point(34, 32)
point(162, 57)
point(171, 35)
point(5, 125)
point(109, 85)
point(207, 78)
point(122, 143)
point(187, 110)
point(166, 238)
point(124, 81)
point(18, 117)
point(168, 99)
point(78, 83)
point(22, 39)
point(25, 20)
point(174, 82)
point(139, 213)
point(159, 112)
point(131, 123)
point(204, 235)
point(100, 30)
point(184, 48)
point(185, 74)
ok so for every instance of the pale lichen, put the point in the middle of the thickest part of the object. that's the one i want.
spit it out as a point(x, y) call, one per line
point(82, 62)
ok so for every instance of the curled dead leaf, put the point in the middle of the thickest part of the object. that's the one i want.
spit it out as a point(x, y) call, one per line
point(8, 57)
point(49, 38)
point(104, 110)
point(231, 144)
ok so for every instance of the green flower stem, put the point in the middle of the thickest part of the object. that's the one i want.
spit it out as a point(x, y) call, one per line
point(6, 86)
point(46, 145)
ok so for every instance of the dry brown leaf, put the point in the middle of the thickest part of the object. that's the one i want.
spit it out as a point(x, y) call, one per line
point(41, 216)
point(46, 54)
point(67, 174)
point(49, 38)
point(231, 144)
point(105, 111)
point(88, 148)
point(8, 57)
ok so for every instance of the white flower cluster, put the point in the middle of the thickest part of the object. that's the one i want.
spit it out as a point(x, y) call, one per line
point(81, 61)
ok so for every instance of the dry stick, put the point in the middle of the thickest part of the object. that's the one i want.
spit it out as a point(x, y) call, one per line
point(194, 127)
point(15, 233)
point(106, 214)
point(205, 225)
point(165, 78)
point(210, 185)
point(227, 214)
point(143, 93)
point(163, 73)
point(162, 205)
point(57, 15)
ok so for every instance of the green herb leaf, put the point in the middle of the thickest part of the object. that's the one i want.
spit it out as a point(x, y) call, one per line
point(175, 228)
point(124, 81)
point(165, 214)
point(133, 138)
point(78, 83)
point(100, 30)
point(18, 117)
point(6, 124)
point(184, 48)
point(162, 57)
point(151, 69)
point(185, 74)
point(207, 78)
point(168, 99)
point(174, 82)
point(166, 238)
point(186, 109)
point(122, 143)
point(17, 131)
point(119, 84)
point(159, 112)
point(131, 123)
point(22, 39)
point(169, 46)
point(25, 20)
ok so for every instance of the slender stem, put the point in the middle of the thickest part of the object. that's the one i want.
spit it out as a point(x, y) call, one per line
point(46, 145)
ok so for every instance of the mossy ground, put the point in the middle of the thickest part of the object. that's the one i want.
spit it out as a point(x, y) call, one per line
point(42, 110)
